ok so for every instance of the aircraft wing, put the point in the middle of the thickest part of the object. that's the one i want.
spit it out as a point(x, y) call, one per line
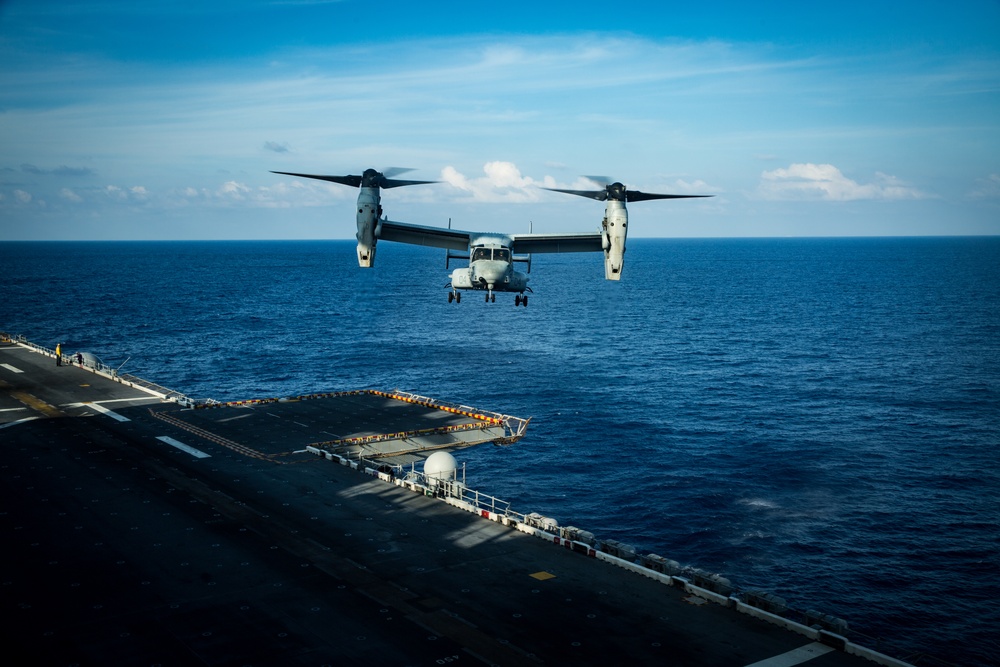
point(436, 237)
point(585, 242)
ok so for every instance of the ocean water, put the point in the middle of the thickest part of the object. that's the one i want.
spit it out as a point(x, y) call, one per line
point(817, 418)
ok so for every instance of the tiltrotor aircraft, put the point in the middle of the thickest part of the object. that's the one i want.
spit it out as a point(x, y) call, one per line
point(491, 256)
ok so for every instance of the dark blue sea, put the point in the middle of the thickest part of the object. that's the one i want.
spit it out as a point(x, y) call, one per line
point(817, 418)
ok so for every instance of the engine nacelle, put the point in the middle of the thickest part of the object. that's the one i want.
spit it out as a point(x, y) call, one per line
point(518, 282)
point(369, 212)
point(615, 230)
point(461, 278)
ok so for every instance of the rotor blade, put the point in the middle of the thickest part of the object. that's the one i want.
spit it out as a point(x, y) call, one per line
point(353, 181)
point(395, 171)
point(635, 195)
point(599, 195)
point(392, 183)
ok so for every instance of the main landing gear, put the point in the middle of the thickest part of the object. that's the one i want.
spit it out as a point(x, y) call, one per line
point(491, 297)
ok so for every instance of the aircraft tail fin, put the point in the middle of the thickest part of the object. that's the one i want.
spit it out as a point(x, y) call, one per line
point(524, 259)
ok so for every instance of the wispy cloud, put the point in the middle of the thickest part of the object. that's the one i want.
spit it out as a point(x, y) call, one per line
point(507, 114)
point(827, 182)
point(275, 147)
point(58, 171)
point(71, 196)
point(987, 188)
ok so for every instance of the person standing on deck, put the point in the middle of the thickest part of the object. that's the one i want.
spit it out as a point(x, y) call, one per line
point(58, 354)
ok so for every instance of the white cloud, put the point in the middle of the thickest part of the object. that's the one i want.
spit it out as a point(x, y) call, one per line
point(115, 193)
point(826, 182)
point(69, 195)
point(234, 190)
point(281, 195)
point(22, 196)
point(503, 182)
point(136, 193)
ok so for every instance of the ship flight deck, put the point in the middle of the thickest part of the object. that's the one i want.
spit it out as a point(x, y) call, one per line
point(140, 530)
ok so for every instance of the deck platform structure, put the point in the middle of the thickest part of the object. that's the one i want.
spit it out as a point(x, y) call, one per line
point(365, 423)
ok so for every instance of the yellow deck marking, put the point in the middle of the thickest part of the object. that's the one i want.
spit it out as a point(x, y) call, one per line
point(36, 404)
point(542, 576)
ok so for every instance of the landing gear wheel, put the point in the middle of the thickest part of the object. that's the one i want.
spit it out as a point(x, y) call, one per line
point(458, 297)
point(517, 300)
point(487, 298)
point(524, 300)
point(451, 297)
point(493, 298)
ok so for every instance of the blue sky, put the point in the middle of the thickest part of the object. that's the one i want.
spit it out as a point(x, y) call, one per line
point(162, 120)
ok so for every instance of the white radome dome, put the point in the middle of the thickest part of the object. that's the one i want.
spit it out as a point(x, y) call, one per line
point(440, 466)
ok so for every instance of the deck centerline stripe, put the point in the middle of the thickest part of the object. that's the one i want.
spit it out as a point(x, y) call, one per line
point(197, 453)
point(795, 656)
point(19, 421)
point(104, 411)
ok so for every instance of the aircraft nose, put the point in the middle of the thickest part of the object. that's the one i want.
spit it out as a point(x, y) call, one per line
point(491, 274)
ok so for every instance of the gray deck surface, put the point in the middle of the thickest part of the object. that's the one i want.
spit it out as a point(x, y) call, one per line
point(121, 549)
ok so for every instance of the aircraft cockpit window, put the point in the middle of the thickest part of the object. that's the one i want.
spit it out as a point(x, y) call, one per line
point(496, 254)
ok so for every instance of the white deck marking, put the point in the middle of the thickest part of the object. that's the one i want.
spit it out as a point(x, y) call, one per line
point(12, 369)
point(111, 400)
point(19, 421)
point(229, 419)
point(796, 656)
point(103, 410)
point(12, 409)
point(197, 453)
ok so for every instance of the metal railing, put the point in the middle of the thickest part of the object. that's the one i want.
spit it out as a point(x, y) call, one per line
point(714, 583)
point(514, 427)
point(91, 362)
point(445, 488)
